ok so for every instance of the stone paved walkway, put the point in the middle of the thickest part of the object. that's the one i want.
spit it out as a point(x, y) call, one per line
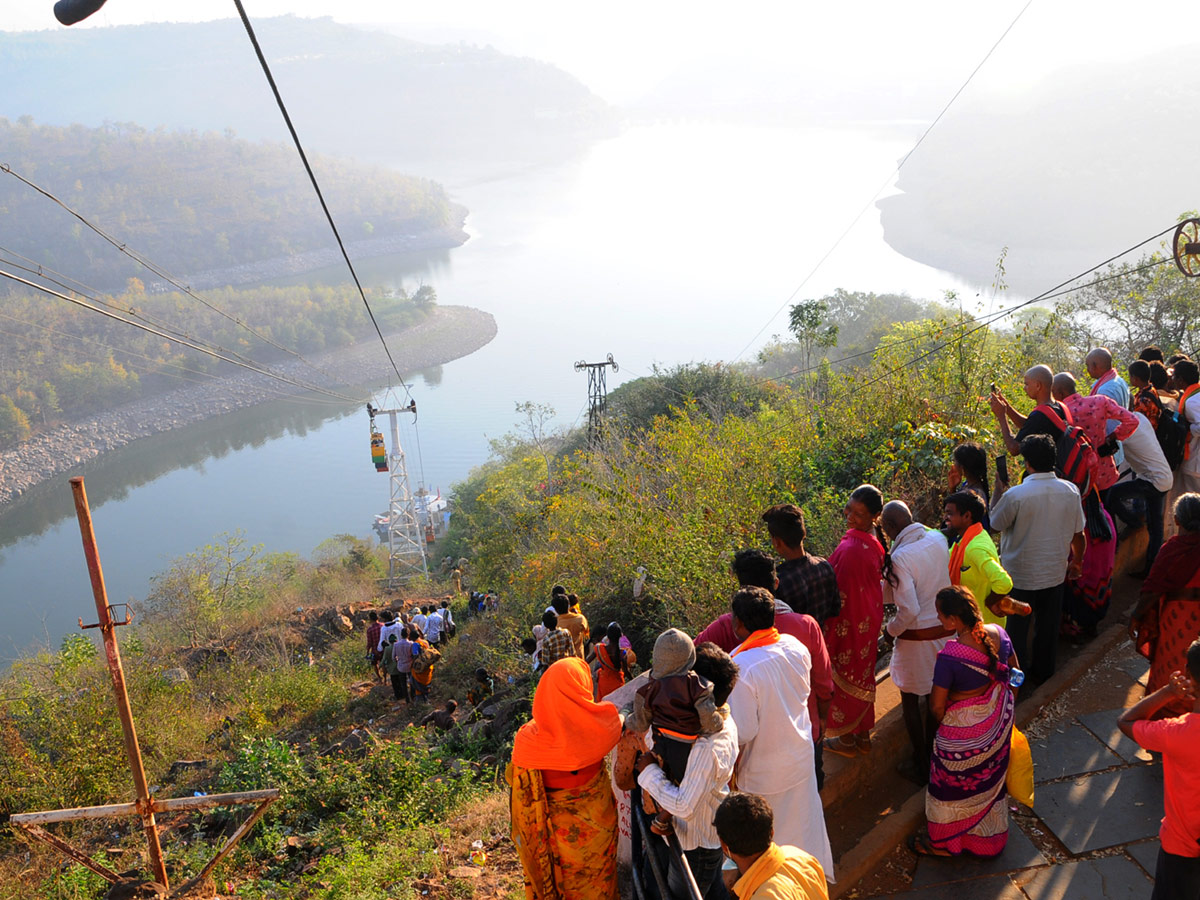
point(1093, 830)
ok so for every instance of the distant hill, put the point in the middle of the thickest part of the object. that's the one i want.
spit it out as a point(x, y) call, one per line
point(353, 92)
point(1086, 164)
point(195, 202)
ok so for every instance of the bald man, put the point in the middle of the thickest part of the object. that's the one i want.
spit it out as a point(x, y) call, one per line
point(1038, 384)
point(920, 568)
point(1099, 365)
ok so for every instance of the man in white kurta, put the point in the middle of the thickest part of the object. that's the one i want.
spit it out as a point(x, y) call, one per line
point(770, 707)
point(920, 568)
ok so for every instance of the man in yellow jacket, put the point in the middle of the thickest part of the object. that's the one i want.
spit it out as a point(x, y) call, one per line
point(765, 871)
point(975, 562)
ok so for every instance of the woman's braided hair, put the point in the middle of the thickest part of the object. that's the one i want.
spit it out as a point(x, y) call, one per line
point(959, 601)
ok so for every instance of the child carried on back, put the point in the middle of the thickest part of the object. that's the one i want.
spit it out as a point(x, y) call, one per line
point(677, 704)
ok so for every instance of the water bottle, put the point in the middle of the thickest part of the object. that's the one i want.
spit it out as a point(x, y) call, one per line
point(1016, 678)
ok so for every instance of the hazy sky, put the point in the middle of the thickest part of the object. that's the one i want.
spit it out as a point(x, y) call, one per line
point(623, 49)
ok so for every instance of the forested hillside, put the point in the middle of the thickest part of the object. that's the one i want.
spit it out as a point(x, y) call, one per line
point(57, 358)
point(350, 91)
point(189, 201)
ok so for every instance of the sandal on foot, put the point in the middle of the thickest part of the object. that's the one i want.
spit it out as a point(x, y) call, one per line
point(842, 747)
point(919, 844)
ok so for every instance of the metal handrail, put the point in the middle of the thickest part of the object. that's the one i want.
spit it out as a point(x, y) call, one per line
point(673, 846)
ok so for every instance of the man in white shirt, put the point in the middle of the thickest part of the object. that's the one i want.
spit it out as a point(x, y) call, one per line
point(694, 801)
point(433, 628)
point(392, 624)
point(1041, 525)
point(770, 706)
point(420, 618)
point(920, 568)
point(448, 628)
point(1143, 481)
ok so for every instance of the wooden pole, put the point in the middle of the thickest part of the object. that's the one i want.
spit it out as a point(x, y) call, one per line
point(117, 674)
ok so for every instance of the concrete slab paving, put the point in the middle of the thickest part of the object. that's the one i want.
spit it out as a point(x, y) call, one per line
point(997, 887)
point(1104, 726)
point(1110, 878)
point(1019, 853)
point(1103, 810)
point(1070, 749)
point(1146, 855)
point(1137, 668)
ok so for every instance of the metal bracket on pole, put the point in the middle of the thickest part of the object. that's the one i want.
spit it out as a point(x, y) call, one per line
point(144, 805)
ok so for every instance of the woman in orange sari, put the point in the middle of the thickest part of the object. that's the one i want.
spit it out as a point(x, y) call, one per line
point(564, 817)
point(1167, 617)
point(853, 634)
point(610, 662)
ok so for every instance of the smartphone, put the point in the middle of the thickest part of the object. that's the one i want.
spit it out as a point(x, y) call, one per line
point(1002, 468)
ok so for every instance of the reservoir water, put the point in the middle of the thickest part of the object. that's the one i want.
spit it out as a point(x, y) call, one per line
point(676, 241)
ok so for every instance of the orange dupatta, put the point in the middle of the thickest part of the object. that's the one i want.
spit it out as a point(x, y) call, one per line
point(761, 638)
point(960, 551)
point(569, 730)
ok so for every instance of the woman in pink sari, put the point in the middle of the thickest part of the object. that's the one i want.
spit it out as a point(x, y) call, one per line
point(852, 635)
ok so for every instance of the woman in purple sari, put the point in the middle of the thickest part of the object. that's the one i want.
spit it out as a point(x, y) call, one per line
point(966, 803)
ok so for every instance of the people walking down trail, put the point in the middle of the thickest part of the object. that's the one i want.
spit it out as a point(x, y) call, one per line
point(575, 623)
point(693, 802)
point(765, 869)
point(556, 644)
point(397, 662)
point(966, 801)
point(564, 815)
point(1167, 617)
point(374, 654)
point(424, 659)
point(449, 629)
point(610, 662)
point(1140, 493)
point(852, 636)
point(754, 568)
point(433, 626)
point(807, 583)
point(1041, 527)
point(1177, 871)
point(920, 568)
point(769, 704)
point(677, 704)
point(975, 561)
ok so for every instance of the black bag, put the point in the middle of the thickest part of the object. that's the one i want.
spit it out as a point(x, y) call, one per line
point(1172, 433)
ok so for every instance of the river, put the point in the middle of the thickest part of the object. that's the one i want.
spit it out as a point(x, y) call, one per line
point(676, 241)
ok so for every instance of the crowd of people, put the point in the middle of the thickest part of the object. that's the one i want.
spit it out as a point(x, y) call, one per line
point(788, 674)
point(403, 647)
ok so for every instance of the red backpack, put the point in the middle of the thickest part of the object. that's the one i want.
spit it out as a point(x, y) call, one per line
point(1077, 459)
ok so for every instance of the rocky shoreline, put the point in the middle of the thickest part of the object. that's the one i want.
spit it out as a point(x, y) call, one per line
point(449, 333)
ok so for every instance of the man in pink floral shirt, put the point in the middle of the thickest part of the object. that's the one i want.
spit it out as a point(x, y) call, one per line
point(1092, 415)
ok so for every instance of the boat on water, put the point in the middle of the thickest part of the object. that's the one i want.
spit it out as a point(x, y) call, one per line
point(433, 516)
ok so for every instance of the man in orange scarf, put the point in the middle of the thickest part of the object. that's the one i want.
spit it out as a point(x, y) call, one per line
point(765, 871)
point(769, 704)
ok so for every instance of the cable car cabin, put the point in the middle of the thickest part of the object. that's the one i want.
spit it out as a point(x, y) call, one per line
point(378, 452)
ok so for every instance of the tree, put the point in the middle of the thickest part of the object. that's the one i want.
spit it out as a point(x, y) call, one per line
point(14, 424)
point(808, 321)
point(1136, 304)
point(203, 593)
